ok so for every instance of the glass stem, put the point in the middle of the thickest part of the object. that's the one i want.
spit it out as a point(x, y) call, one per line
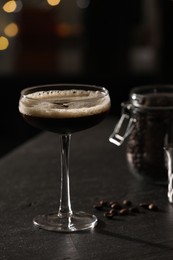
point(65, 203)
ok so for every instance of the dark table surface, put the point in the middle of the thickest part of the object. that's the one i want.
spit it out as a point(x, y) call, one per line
point(29, 185)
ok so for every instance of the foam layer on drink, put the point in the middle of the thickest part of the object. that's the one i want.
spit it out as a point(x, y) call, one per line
point(64, 103)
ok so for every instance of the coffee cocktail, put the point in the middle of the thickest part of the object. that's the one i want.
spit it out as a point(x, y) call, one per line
point(64, 109)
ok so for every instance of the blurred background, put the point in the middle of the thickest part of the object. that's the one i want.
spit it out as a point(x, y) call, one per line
point(116, 44)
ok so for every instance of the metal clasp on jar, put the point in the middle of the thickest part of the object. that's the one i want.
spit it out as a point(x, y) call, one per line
point(124, 126)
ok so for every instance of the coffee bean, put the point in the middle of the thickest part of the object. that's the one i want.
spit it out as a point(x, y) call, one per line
point(153, 207)
point(116, 205)
point(123, 212)
point(127, 203)
point(113, 211)
point(108, 214)
point(149, 206)
point(103, 202)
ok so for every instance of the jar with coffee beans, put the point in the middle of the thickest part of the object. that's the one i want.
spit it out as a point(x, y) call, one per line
point(147, 121)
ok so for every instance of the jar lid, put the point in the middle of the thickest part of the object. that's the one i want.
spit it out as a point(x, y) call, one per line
point(153, 97)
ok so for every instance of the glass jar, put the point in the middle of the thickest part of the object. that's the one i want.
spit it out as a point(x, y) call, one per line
point(147, 121)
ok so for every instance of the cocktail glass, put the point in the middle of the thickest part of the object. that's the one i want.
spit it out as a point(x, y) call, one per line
point(64, 109)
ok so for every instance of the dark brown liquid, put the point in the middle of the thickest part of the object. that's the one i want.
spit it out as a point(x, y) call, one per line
point(65, 125)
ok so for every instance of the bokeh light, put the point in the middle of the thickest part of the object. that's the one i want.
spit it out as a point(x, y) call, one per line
point(11, 30)
point(3, 43)
point(10, 6)
point(53, 2)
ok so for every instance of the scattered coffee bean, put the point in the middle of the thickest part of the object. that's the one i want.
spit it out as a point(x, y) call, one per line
point(123, 212)
point(115, 205)
point(108, 214)
point(103, 203)
point(114, 208)
point(127, 203)
point(153, 207)
point(149, 206)
point(113, 211)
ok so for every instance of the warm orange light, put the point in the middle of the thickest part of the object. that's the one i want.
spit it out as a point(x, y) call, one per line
point(3, 43)
point(53, 2)
point(10, 6)
point(66, 30)
point(11, 30)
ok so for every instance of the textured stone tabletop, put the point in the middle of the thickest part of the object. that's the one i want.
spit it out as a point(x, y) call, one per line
point(30, 183)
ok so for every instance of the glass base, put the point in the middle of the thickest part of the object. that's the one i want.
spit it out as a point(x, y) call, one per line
point(76, 221)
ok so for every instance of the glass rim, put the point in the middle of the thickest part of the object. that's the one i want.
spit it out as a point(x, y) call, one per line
point(154, 87)
point(140, 92)
point(50, 86)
